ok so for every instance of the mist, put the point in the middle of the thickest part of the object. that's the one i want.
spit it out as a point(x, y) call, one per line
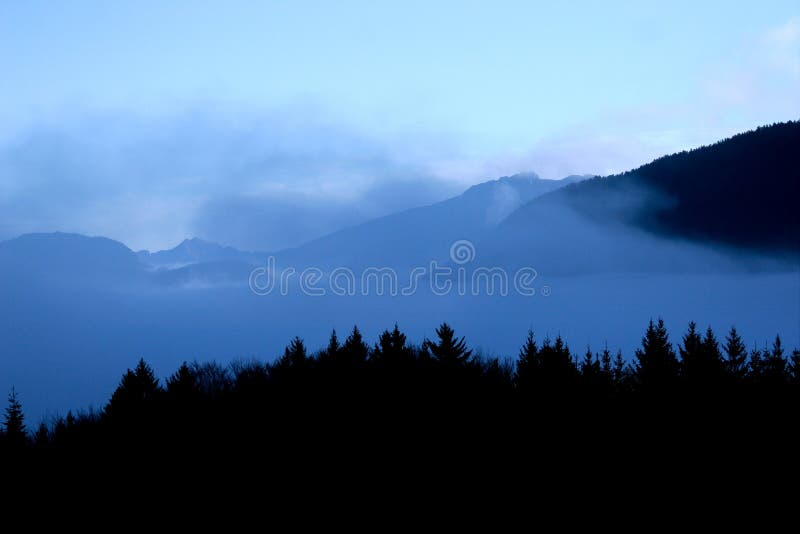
point(261, 181)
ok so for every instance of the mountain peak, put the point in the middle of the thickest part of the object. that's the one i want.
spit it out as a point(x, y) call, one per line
point(194, 250)
point(519, 178)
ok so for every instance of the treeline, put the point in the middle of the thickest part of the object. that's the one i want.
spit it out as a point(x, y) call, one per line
point(439, 386)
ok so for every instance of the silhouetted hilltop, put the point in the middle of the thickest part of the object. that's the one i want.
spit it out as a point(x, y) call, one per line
point(741, 191)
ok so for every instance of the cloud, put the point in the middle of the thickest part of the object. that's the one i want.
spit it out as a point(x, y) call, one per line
point(263, 182)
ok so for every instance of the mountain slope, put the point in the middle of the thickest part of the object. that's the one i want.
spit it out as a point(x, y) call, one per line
point(195, 250)
point(67, 257)
point(740, 192)
point(419, 235)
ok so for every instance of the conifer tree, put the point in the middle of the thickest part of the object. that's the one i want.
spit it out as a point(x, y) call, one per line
point(354, 351)
point(690, 352)
point(294, 356)
point(14, 423)
point(657, 366)
point(138, 387)
point(735, 356)
point(774, 364)
point(333, 345)
point(527, 362)
point(183, 382)
point(391, 347)
point(449, 350)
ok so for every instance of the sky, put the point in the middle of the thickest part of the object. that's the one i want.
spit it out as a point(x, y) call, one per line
point(264, 124)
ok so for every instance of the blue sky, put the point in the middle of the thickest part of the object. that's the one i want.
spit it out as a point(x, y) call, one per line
point(375, 94)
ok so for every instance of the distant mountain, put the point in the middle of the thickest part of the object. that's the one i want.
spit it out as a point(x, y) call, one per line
point(425, 233)
point(71, 258)
point(730, 203)
point(742, 192)
point(195, 250)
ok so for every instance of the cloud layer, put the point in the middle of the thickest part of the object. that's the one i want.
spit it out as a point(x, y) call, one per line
point(260, 183)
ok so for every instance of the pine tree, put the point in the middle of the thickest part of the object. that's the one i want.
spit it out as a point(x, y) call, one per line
point(14, 424)
point(590, 365)
point(774, 364)
point(605, 362)
point(137, 388)
point(294, 356)
point(735, 356)
point(620, 372)
point(182, 383)
point(42, 437)
point(701, 361)
point(712, 358)
point(450, 350)
point(690, 353)
point(657, 366)
point(527, 362)
point(755, 365)
point(593, 379)
point(391, 348)
point(354, 351)
point(557, 370)
point(333, 345)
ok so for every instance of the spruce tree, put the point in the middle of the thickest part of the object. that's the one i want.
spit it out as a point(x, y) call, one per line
point(182, 383)
point(557, 370)
point(527, 362)
point(354, 351)
point(449, 350)
point(735, 356)
point(620, 371)
point(333, 345)
point(138, 388)
point(774, 364)
point(14, 424)
point(42, 437)
point(657, 366)
point(691, 352)
point(391, 348)
point(294, 356)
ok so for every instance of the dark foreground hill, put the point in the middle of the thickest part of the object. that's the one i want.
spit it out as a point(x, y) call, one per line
point(740, 192)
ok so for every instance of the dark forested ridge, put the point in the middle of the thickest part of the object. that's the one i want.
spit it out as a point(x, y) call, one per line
point(407, 394)
point(742, 191)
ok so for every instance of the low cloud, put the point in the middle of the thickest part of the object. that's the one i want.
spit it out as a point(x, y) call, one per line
point(260, 183)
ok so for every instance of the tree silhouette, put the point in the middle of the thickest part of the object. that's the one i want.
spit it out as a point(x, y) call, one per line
point(138, 387)
point(418, 391)
point(42, 436)
point(391, 348)
point(527, 362)
point(333, 345)
point(182, 383)
point(449, 350)
point(691, 352)
point(621, 371)
point(735, 355)
point(557, 372)
point(774, 364)
point(701, 361)
point(354, 351)
point(14, 423)
point(657, 367)
point(294, 356)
